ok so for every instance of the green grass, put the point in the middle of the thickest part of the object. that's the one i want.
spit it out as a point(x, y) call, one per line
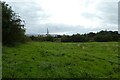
point(61, 60)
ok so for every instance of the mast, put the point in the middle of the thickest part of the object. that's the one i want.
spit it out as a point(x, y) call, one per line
point(47, 32)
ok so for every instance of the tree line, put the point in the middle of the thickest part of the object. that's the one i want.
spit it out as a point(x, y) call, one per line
point(102, 36)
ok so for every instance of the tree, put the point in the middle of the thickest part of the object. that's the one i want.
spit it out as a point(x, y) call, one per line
point(91, 36)
point(12, 29)
point(103, 36)
point(65, 38)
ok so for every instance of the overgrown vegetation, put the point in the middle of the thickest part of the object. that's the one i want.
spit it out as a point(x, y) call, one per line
point(61, 60)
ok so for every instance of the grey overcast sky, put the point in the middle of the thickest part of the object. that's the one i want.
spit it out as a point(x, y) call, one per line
point(67, 16)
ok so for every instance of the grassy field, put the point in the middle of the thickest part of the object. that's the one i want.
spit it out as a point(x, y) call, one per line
point(61, 60)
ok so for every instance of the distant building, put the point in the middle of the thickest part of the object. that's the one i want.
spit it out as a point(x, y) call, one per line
point(44, 35)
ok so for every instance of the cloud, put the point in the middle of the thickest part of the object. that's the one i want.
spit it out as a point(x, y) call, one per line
point(67, 16)
point(109, 12)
